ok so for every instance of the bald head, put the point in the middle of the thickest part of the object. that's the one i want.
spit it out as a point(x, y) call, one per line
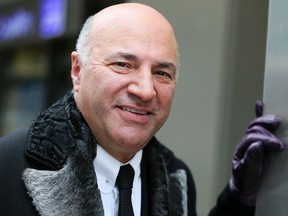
point(133, 13)
point(130, 20)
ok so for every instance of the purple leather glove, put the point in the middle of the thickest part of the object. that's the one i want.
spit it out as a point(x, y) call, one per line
point(249, 155)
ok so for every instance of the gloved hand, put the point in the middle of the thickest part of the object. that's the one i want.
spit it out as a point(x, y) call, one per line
point(249, 155)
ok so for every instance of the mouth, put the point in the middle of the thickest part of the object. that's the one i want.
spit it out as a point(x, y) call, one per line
point(139, 112)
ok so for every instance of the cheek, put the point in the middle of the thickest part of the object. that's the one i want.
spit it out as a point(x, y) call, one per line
point(88, 93)
point(165, 96)
point(165, 102)
point(100, 91)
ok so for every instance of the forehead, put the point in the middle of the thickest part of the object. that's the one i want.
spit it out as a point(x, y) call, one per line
point(134, 28)
point(143, 42)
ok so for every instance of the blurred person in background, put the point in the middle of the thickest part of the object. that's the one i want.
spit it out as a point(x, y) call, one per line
point(124, 74)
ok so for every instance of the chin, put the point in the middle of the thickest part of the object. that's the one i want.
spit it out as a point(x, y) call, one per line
point(133, 142)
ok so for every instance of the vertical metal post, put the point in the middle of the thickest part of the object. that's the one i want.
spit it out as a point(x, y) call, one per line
point(272, 198)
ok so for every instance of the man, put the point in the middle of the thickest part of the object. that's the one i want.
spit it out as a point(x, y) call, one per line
point(124, 73)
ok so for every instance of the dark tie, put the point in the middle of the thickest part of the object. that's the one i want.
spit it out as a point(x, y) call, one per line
point(124, 182)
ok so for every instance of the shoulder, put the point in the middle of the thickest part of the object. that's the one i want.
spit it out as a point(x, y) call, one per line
point(12, 150)
point(13, 142)
point(12, 160)
point(13, 195)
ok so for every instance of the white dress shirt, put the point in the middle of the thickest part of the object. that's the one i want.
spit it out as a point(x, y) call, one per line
point(107, 168)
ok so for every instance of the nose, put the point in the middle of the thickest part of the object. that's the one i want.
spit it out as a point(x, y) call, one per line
point(142, 85)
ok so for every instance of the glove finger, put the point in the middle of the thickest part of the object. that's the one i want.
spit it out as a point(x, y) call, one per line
point(259, 108)
point(254, 155)
point(260, 130)
point(269, 122)
point(272, 144)
point(268, 143)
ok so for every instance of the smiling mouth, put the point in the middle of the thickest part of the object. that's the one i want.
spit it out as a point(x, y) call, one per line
point(134, 111)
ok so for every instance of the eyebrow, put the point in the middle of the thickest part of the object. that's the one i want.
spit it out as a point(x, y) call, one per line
point(168, 65)
point(124, 55)
point(132, 57)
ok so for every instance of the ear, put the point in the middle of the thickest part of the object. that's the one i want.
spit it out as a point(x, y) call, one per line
point(75, 71)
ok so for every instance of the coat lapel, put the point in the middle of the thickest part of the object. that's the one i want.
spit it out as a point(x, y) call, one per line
point(167, 188)
point(70, 191)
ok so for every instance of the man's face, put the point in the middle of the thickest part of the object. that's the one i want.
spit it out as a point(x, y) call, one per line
point(126, 89)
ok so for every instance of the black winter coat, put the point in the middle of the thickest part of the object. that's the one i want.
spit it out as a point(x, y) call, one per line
point(48, 170)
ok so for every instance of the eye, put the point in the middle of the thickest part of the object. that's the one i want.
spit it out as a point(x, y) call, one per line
point(122, 64)
point(120, 67)
point(163, 74)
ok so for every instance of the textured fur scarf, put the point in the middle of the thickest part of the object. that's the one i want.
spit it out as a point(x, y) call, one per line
point(60, 141)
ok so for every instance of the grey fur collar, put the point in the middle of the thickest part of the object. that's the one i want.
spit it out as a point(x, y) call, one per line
point(70, 191)
point(60, 141)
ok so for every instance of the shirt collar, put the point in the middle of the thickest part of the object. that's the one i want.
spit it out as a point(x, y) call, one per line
point(107, 168)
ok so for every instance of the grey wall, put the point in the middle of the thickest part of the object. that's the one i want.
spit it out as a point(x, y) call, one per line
point(222, 53)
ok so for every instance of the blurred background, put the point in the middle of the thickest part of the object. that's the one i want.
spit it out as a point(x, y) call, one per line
point(222, 54)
